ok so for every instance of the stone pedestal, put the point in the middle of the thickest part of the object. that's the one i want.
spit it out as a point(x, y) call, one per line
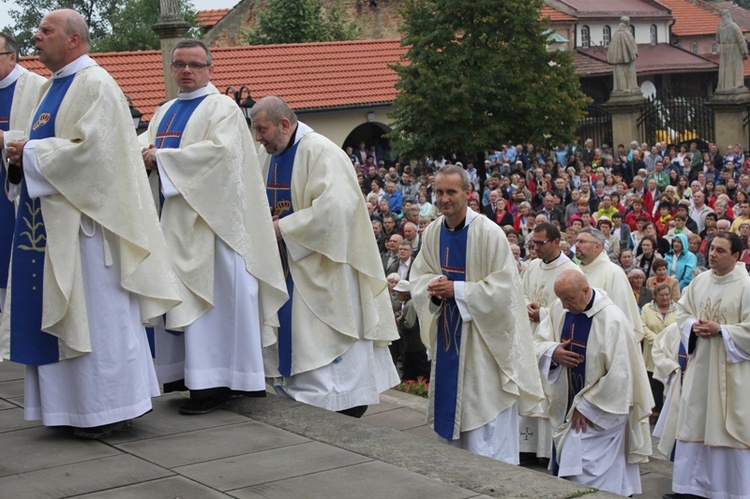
point(730, 109)
point(170, 29)
point(625, 110)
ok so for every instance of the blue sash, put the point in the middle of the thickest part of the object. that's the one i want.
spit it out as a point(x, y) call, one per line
point(7, 208)
point(279, 195)
point(576, 327)
point(172, 124)
point(448, 347)
point(29, 344)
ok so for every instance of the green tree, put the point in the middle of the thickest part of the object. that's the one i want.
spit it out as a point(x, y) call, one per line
point(302, 21)
point(114, 25)
point(477, 73)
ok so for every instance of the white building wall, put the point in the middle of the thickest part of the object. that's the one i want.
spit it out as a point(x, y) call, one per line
point(642, 31)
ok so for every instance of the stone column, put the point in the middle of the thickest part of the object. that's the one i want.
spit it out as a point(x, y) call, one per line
point(730, 108)
point(625, 113)
point(171, 28)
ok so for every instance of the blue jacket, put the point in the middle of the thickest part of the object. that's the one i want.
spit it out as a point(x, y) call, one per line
point(686, 262)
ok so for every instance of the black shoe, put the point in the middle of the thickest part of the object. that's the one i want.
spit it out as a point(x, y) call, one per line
point(203, 405)
point(355, 412)
point(253, 394)
point(175, 386)
point(682, 496)
point(103, 431)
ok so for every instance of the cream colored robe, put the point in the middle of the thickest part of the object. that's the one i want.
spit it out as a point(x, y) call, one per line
point(616, 379)
point(539, 283)
point(714, 407)
point(497, 367)
point(330, 222)
point(603, 274)
point(665, 355)
point(94, 163)
point(217, 173)
point(653, 325)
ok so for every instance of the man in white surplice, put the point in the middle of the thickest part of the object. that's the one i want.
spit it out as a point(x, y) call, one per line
point(78, 294)
point(473, 319)
point(538, 289)
point(600, 397)
point(19, 94)
point(220, 237)
point(333, 335)
point(712, 454)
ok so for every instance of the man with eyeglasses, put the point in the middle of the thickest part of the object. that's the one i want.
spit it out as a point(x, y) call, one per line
point(538, 289)
point(604, 274)
point(89, 262)
point(19, 92)
point(219, 232)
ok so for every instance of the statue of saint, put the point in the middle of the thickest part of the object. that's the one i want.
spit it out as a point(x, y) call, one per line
point(622, 54)
point(732, 51)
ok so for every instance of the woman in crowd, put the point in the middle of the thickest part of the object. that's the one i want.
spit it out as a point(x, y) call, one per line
point(683, 187)
point(680, 261)
point(637, 279)
point(659, 268)
point(501, 216)
point(645, 255)
point(656, 316)
point(426, 209)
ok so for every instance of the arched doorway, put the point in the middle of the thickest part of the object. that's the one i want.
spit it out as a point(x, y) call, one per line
point(371, 133)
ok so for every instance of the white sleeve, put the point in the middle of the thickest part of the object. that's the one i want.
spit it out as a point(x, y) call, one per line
point(36, 184)
point(167, 187)
point(734, 353)
point(294, 250)
point(459, 293)
point(545, 366)
point(600, 418)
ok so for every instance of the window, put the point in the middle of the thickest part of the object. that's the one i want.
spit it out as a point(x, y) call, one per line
point(606, 35)
point(632, 30)
point(695, 47)
point(654, 35)
point(714, 48)
point(585, 37)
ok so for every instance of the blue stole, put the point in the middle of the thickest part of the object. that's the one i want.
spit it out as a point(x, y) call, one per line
point(448, 347)
point(279, 192)
point(29, 344)
point(576, 327)
point(172, 124)
point(7, 208)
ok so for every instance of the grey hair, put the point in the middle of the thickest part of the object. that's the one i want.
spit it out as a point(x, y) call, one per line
point(76, 24)
point(596, 235)
point(10, 44)
point(188, 43)
point(275, 110)
point(453, 170)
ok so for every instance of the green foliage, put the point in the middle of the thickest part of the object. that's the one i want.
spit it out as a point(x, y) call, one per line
point(302, 21)
point(114, 25)
point(477, 74)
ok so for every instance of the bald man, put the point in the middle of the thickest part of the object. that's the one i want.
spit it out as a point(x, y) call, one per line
point(89, 261)
point(600, 399)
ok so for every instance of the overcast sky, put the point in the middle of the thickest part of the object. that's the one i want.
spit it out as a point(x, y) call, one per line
point(5, 19)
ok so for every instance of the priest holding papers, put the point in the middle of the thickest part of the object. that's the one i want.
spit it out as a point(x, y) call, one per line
point(220, 238)
point(600, 398)
point(712, 455)
point(89, 262)
point(474, 321)
point(335, 330)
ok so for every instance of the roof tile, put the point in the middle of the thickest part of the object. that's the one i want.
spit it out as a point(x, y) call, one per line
point(693, 17)
point(209, 18)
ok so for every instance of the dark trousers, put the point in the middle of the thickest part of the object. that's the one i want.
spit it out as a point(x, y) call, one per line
point(657, 390)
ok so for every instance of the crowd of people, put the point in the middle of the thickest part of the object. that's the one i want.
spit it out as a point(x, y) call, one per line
point(639, 224)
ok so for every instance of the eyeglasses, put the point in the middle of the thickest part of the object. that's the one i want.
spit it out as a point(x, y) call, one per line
point(191, 65)
point(584, 241)
point(6, 53)
point(539, 243)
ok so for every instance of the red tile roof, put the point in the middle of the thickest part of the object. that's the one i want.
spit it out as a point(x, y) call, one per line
point(739, 15)
point(693, 17)
point(555, 15)
point(652, 59)
point(208, 18)
point(308, 76)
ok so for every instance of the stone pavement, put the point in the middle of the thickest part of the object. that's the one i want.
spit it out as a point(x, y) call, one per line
point(263, 448)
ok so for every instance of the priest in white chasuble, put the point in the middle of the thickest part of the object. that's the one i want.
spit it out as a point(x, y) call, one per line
point(89, 264)
point(220, 237)
point(712, 454)
point(332, 341)
point(474, 322)
point(19, 94)
point(670, 361)
point(599, 390)
point(538, 289)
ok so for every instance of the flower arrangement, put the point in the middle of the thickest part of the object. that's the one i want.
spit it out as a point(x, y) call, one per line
point(420, 387)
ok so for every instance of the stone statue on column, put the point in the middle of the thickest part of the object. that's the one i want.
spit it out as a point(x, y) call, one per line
point(732, 53)
point(622, 54)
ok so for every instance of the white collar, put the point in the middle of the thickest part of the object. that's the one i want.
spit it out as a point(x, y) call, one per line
point(199, 92)
point(13, 76)
point(73, 67)
point(302, 130)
